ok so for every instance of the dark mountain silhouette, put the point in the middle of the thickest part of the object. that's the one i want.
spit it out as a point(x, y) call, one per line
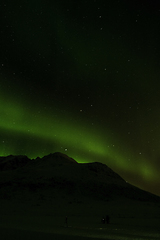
point(54, 159)
point(57, 175)
point(13, 162)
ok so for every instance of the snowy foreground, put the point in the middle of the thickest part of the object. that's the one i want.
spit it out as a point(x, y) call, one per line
point(112, 232)
point(45, 221)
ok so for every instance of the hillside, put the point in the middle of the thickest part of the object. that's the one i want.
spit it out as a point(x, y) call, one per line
point(58, 175)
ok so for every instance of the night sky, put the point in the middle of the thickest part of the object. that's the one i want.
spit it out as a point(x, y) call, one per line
point(83, 78)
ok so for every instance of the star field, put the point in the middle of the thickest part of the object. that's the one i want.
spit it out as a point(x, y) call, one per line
point(83, 78)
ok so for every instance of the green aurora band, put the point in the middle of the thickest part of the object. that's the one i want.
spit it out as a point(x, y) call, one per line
point(51, 134)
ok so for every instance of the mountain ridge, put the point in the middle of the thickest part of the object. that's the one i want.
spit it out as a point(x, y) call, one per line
point(61, 175)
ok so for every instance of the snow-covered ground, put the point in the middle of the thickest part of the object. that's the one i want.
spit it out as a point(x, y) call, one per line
point(131, 220)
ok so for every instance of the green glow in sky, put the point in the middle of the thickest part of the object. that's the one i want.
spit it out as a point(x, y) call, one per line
point(62, 134)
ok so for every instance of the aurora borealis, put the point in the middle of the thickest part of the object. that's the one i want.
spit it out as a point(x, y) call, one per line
point(83, 77)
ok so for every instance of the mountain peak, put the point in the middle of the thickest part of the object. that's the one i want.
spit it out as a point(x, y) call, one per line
point(59, 158)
